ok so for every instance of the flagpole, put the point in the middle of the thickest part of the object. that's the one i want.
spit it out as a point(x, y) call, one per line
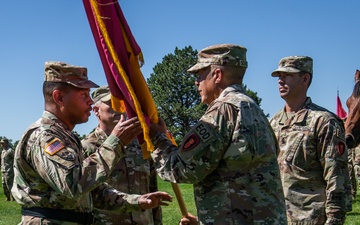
point(179, 199)
point(175, 186)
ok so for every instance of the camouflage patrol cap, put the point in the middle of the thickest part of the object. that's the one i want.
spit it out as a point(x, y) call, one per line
point(63, 72)
point(224, 54)
point(101, 94)
point(294, 64)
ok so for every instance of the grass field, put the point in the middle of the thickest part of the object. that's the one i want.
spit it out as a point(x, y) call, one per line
point(10, 211)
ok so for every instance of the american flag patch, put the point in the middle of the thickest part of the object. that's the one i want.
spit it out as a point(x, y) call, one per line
point(54, 146)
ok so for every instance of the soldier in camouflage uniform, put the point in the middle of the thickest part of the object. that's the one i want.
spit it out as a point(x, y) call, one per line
point(132, 174)
point(313, 154)
point(7, 170)
point(352, 174)
point(53, 180)
point(230, 154)
point(356, 158)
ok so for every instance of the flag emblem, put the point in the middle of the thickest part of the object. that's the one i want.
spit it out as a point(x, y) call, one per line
point(54, 146)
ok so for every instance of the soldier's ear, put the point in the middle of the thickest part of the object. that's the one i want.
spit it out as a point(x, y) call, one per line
point(95, 109)
point(58, 97)
point(218, 75)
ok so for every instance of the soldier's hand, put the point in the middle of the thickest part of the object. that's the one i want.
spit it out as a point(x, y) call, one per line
point(154, 199)
point(127, 130)
point(189, 220)
point(158, 127)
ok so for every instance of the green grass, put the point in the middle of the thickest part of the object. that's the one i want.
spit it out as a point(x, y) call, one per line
point(10, 211)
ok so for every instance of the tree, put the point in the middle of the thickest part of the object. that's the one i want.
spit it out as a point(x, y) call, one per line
point(175, 94)
point(78, 135)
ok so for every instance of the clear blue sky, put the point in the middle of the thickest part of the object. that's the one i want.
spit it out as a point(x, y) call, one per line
point(33, 32)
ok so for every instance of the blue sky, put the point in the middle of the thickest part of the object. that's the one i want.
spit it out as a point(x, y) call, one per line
point(33, 32)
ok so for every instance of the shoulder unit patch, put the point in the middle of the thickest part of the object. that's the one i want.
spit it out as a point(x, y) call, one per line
point(201, 133)
point(54, 146)
point(191, 142)
point(341, 147)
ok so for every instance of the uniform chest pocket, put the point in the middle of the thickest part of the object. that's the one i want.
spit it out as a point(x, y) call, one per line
point(294, 147)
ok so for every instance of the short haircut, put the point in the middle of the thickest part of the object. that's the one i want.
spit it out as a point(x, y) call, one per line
point(303, 73)
point(233, 73)
point(49, 87)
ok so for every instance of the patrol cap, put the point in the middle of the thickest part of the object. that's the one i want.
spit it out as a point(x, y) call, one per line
point(101, 94)
point(224, 54)
point(63, 72)
point(294, 64)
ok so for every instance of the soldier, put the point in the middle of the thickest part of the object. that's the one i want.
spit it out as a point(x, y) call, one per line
point(53, 180)
point(7, 170)
point(356, 158)
point(132, 174)
point(313, 154)
point(230, 154)
point(352, 173)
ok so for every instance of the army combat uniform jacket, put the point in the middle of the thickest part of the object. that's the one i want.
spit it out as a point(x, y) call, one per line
point(52, 173)
point(313, 165)
point(230, 157)
point(133, 175)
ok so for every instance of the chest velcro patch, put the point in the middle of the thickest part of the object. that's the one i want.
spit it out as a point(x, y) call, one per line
point(54, 146)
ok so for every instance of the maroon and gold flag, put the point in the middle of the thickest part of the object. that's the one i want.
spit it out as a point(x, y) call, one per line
point(121, 58)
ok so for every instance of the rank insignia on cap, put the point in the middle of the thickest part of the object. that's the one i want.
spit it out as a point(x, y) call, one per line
point(191, 142)
point(341, 147)
point(54, 146)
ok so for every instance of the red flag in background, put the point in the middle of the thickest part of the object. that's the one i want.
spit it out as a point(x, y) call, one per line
point(121, 58)
point(339, 109)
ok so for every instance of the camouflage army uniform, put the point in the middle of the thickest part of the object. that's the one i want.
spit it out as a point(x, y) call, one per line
point(132, 175)
point(7, 171)
point(313, 164)
point(351, 168)
point(51, 172)
point(230, 157)
point(356, 155)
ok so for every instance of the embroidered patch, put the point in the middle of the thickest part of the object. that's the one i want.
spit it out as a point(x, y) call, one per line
point(201, 133)
point(341, 147)
point(54, 146)
point(191, 142)
point(202, 130)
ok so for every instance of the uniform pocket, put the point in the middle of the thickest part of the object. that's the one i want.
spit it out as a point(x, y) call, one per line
point(294, 147)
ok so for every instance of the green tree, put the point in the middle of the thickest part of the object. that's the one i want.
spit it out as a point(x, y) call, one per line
point(175, 94)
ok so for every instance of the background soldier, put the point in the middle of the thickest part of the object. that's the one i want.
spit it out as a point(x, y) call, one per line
point(7, 170)
point(313, 156)
point(132, 174)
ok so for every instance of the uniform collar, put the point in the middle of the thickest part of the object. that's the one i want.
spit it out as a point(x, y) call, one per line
point(299, 117)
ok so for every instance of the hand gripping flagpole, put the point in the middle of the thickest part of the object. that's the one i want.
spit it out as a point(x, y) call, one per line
point(113, 53)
